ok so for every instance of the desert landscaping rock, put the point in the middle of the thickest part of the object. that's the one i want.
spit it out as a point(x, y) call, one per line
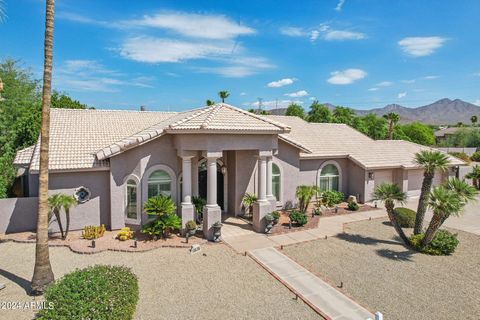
point(174, 284)
point(381, 274)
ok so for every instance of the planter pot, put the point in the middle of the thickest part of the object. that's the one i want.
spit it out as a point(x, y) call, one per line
point(275, 221)
point(217, 233)
point(269, 226)
point(191, 232)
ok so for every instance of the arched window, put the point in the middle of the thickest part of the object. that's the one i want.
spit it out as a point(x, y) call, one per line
point(276, 181)
point(131, 207)
point(329, 178)
point(159, 183)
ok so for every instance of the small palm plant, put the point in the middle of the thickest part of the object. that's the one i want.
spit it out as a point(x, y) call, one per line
point(161, 210)
point(159, 206)
point(475, 176)
point(57, 202)
point(431, 161)
point(389, 194)
point(209, 102)
point(223, 95)
point(248, 200)
point(304, 194)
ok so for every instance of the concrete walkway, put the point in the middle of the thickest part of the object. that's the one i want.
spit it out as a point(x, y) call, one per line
point(240, 236)
point(314, 291)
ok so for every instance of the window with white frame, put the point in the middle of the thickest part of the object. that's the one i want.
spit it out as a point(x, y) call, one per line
point(132, 206)
point(159, 183)
point(276, 181)
point(329, 178)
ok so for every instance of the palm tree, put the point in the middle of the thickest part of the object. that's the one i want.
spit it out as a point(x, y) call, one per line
point(390, 193)
point(223, 95)
point(248, 200)
point(474, 120)
point(444, 202)
point(209, 102)
point(60, 201)
point(304, 194)
point(43, 274)
point(431, 161)
point(392, 119)
point(475, 176)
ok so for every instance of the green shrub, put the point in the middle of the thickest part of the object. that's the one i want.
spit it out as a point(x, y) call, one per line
point(443, 244)
point(298, 217)
point(475, 156)
point(461, 155)
point(191, 225)
point(405, 217)
point(276, 215)
point(332, 197)
point(97, 292)
point(163, 225)
point(317, 211)
point(353, 206)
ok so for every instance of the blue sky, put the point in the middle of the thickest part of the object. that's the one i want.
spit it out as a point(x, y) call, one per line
point(176, 54)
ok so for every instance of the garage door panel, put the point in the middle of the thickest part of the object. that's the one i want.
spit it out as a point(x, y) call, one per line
point(383, 176)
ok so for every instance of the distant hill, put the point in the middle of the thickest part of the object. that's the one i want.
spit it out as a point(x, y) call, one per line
point(443, 111)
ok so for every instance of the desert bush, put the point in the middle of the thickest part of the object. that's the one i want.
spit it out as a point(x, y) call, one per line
point(298, 217)
point(353, 206)
point(93, 232)
point(476, 156)
point(124, 234)
point(276, 214)
point(444, 243)
point(461, 155)
point(332, 197)
point(191, 225)
point(97, 292)
point(405, 217)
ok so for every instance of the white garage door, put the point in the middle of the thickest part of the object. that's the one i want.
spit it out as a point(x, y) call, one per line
point(415, 180)
point(383, 176)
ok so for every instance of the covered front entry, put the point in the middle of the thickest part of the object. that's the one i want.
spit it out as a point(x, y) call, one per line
point(221, 183)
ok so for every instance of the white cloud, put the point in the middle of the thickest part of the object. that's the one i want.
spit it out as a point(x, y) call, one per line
point(477, 102)
point(90, 75)
point(298, 94)
point(385, 84)
point(477, 74)
point(272, 104)
point(312, 98)
point(408, 81)
point(421, 46)
point(281, 83)
point(156, 50)
point(343, 35)
point(401, 95)
point(431, 77)
point(314, 34)
point(340, 5)
point(293, 31)
point(195, 25)
point(243, 93)
point(347, 76)
point(373, 89)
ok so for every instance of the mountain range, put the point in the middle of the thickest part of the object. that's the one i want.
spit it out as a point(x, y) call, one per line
point(443, 111)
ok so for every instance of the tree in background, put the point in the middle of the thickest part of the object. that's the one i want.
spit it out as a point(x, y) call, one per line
point(209, 102)
point(61, 100)
point(223, 95)
point(392, 119)
point(430, 161)
point(474, 120)
point(464, 137)
point(475, 176)
point(319, 113)
point(42, 273)
point(295, 110)
point(372, 125)
point(416, 132)
point(343, 115)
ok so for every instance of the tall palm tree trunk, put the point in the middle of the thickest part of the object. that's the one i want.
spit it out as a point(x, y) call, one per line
point(422, 202)
point(43, 274)
point(434, 225)
point(390, 130)
point(396, 226)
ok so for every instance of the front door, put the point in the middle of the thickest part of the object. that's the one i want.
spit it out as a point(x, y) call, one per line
point(202, 183)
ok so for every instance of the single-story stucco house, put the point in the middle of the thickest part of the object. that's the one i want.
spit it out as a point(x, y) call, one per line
point(118, 159)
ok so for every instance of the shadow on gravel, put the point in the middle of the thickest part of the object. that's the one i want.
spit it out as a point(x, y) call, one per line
point(357, 238)
point(24, 283)
point(396, 255)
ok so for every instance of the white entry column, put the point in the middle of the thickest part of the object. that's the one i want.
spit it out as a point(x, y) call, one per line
point(270, 197)
point(262, 207)
point(212, 212)
point(186, 208)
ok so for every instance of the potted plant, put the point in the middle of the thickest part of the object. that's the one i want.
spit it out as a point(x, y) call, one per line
point(276, 217)
point(269, 219)
point(248, 200)
point(217, 226)
point(191, 227)
point(199, 203)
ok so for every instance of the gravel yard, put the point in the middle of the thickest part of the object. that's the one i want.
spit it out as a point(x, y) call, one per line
point(173, 283)
point(383, 275)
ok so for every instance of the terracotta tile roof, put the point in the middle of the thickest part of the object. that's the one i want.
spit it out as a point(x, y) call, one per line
point(24, 156)
point(76, 135)
point(329, 140)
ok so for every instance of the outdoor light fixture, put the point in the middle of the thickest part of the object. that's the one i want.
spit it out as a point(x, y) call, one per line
point(223, 169)
point(371, 175)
